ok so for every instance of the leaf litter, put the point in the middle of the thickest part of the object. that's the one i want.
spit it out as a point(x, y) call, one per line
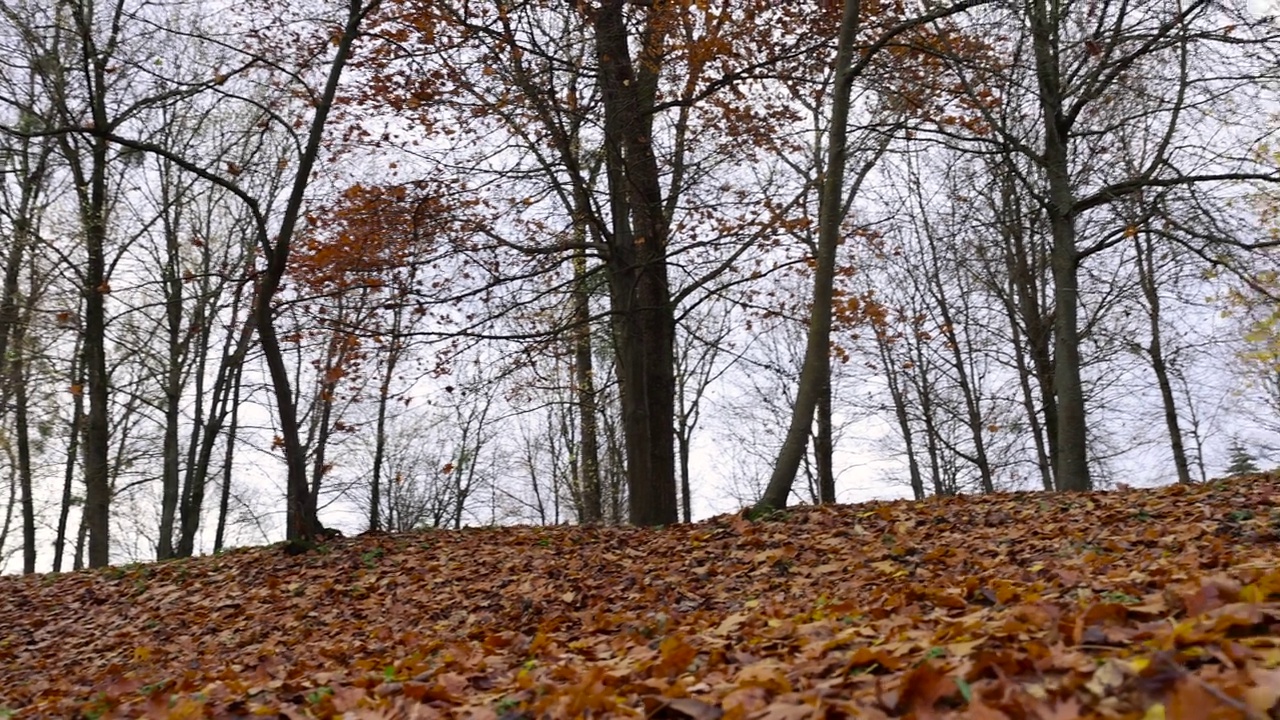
point(1135, 604)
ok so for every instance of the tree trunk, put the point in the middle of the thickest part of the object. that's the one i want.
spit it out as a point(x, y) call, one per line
point(18, 379)
point(301, 521)
point(900, 412)
point(97, 441)
point(585, 387)
point(932, 435)
point(77, 562)
point(1151, 290)
point(824, 446)
point(172, 278)
point(1072, 461)
point(643, 317)
point(815, 371)
point(1025, 374)
point(1039, 336)
point(225, 383)
point(75, 432)
point(228, 465)
point(972, 403)
point(380, 428)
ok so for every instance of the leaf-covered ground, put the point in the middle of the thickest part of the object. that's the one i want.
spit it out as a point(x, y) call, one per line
point(1135, 604)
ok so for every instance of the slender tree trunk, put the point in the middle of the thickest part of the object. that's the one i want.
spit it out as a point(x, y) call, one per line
point(972, 403)
point(824, 446)
point(9, 310)
point(82, 532)
point(75, 432)
point(932, 436)
point(173, 384)
point(1155, 351)
point(1072, 461)
point(643, 315)
point(228, 465)
point(1039, 345)
point(18, 378)
point(323, 430)
point(1043, 463)
point(11, 502)
point(900, 412)
point(197, 476)
point(380, 432)
point(14, 324)
point(301, 522)
point(97, 507)
point(585, 387)
point(815, 373)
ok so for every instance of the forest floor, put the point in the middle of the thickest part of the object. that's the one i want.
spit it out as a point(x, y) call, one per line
point(1142, 604)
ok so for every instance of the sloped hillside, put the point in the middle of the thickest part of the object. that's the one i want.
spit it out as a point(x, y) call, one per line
point(1134, 604)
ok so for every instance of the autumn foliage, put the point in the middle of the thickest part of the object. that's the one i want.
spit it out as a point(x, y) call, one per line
point(1131, 604)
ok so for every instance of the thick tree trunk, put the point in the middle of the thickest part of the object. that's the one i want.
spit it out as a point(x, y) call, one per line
point(815, 372)
point(1072, 462)
point(643, 318)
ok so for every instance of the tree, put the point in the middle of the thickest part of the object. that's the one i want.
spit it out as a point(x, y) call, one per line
point(1106, 79)
point(1240, 460)
point(832, 206)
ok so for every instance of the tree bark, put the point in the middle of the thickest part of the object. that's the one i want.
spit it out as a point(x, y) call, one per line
point(815, 371)
point(1155, 352)
point(97, 506)
point(824, 446)
point(228, 465)
point(1072, 461)
point(585, 386)
point(75, 432)
point(18, 379)
point(172, 281)
point(643, 318)
point(301, 521)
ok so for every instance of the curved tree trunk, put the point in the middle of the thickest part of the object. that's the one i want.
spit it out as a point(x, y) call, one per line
point(815, 372)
